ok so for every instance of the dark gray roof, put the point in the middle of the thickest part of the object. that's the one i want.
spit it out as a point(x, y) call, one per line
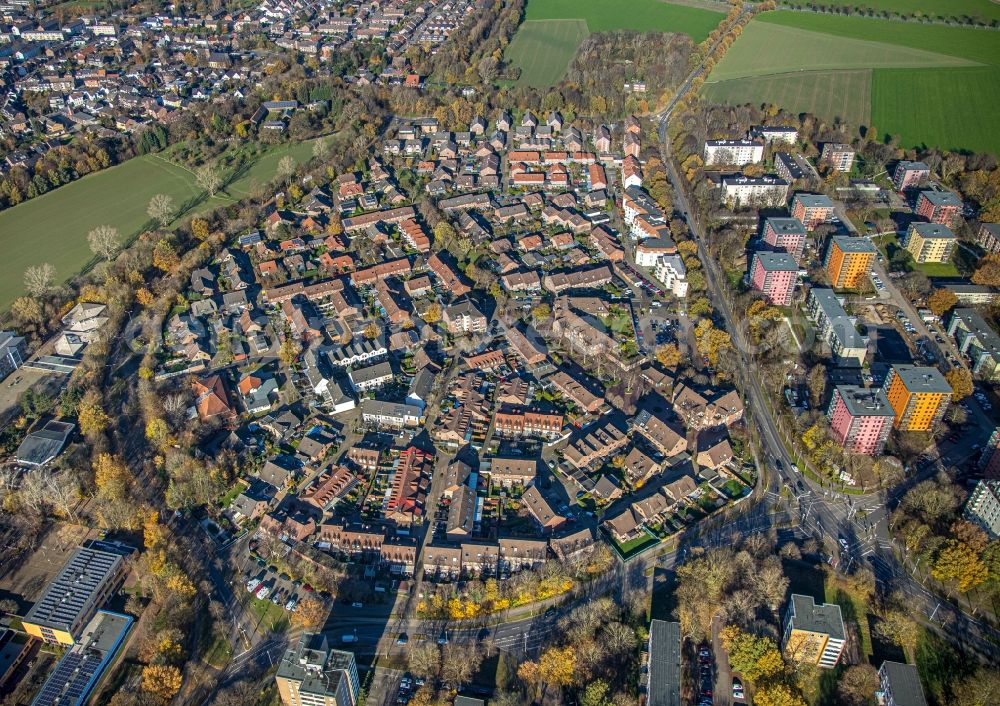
point(825, 619)
point(776, 261)
point(664, 664)
point(932, 230)
point(850, 244)
point(865, 401)
point(785, 226)
point(942, 198)
point(903, 681)
point(41, 446)
point(922, 378)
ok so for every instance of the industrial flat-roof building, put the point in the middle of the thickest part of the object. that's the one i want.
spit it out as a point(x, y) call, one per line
point(85, 582)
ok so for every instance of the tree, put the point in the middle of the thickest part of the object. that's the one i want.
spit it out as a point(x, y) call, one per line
point(979, 689)
point(541, 312)
point(161, 680)
point(322, 149)
point(425, 660)
point(596, 694)
point(898, 628)
point(27, 310)
point(371, 331)
point(459, 663)
point(286, 167)
point(957, 562)
point(777, 694)
point(557, 666)
point(310, 614)
point(38, 279)
point(941, 300)
point(199, 228)
point(816, 382)
point(755, 657)
point(92, 418)
point(669, 355)
point(161, 209)
point(857, 685)
point(104, 241)
point(209, 179)
point(433, 314)
point(960, 380)
point(165, 256)
point(988, 271)
point(289, 351)
point(111, 477)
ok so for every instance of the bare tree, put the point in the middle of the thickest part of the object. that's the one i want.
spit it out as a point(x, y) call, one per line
point(38, 279)
point(161, 209)
point(322, 149)
point(425, 660)
point(209, 179)
point(286, 167)
point(104, 241)
point(460, 663)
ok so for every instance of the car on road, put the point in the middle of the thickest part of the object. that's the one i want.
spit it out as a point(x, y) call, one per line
point(737, 689)
point(402, 639)
point(443, 638)
point(843, 544)
point(357, 605)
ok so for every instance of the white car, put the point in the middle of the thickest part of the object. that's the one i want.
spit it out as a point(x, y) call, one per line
point(252, 585)
point(290, 605)
point(263, 592)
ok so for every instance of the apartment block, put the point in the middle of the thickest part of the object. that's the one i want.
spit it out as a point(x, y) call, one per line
point(989, 461)
point(976, 339)
point(787, 167)
point(835, 327)
point(85, 583)
point(763, 191)
point(663, 664)
point(988, 237)
point(787, 234)
point(942, 207)
point(812, 209)
point(311, 673)
point(860, 419)
point(838, 155)
point(908, 175)
point(899, 685)
point(919, 396)
point(13, 351)
point(983, 506)
point(813, 634)
point(930, 242)
point(774, 274)
point(733, 153)
point(848, 261)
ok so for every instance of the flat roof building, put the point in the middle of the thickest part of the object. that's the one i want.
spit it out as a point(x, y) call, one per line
point(664, 664)
point(983, 507)
point(311, 673)
point(919, 396)
point(835, 327)
point(860, 419)
point(814, 634)
point(930, 242)
point(774, 274)
point(847, 261)
point(976, 339)
point(85, 582)
point(899, 685)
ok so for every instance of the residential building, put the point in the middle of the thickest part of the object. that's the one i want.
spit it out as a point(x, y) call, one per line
point(79, 670)
point(899, 685)
point(86, 581)
point(599, 442)
point(983, 506)
point(775, 275)
point(812, 209)
point(930, 242)
point(908, 175)
point(464, 317)
point(507, 472)
point(835, 327)
point(13, 351)
point(787, 167)
point(540, 509)
point(944, 207)
point(733, 153)
point(390, 414)
point(739, 191)
point(667, 440)
point(786, 234)
point(370, 377)
point(776, 133)
point(919, 396)
point(838, 155)
point(42, 446)
point(813, 634)
point(860, 419)
point(311, 673)
point(525, 423)
point(988, 237)
point(663, 664)
point(989, 461)
point(978, 341)
point(848, 261)
point(670, 270)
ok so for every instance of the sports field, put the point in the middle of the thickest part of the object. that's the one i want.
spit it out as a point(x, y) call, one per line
point(53, 227)
point(982, 9)
point(647, 15)
point(961, 113)
point(930, 84)
point(553, 30)
point(542, 49)
point(765, 49)
point(832, 94)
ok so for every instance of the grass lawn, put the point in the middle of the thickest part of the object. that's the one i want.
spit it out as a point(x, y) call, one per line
point(635, 546)
point(979, 45)
point(542, 49)
point(983, 9)
point(938, 123)
point(828, 94)
point(269, 616)
point(53, 227)
point(646, 15)
point(231, 494)
point(938, 269)
point(766, 48)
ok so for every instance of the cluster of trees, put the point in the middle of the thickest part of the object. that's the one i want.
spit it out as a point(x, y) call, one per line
point(475, 53)
point(863, 9)
point(61, 165)
point(953, 550)
point(759, 660)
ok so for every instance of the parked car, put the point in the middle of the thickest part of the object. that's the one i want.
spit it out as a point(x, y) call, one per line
point(252, 585)
point(263, 592)
point(737, 689)
point(356, 604)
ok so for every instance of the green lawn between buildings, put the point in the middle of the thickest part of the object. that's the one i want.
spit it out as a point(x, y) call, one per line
point(932, 85)
point(53, 227)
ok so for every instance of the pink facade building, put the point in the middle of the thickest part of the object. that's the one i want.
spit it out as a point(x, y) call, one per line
point(787, 234)
point(860, 419)
point(909, 174)
point(774, 274)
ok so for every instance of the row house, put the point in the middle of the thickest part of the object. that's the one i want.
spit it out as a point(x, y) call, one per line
point(333, 484)
point(524, 423)
point(598, 443)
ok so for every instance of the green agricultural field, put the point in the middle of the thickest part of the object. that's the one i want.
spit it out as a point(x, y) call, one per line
point(765, 49)
point(542, 49)
point(958, 113)
point(648, 15)
point(982, 9)
point(979, 45)
point(829, 94)
point(53, 227)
